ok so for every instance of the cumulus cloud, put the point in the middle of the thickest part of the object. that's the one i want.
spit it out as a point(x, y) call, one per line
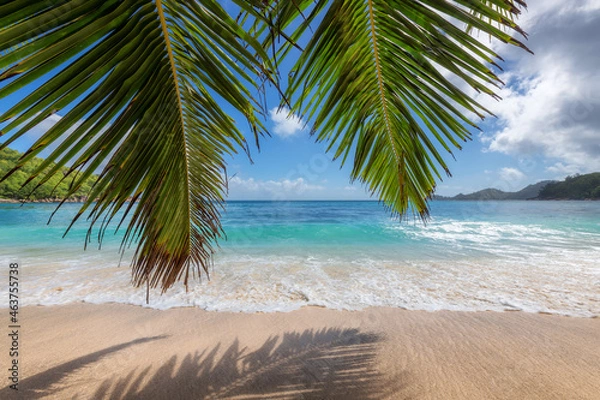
point(551, 104)
point(35, 133)
point(561, 170)
point(272, 189)
point(286, 124)
point(511, 175)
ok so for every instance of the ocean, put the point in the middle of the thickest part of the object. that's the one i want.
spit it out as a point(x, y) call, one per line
point(280, 256)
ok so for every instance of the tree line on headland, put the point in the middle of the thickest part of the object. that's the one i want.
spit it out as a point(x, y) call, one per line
point(577, 187)
point(55, 189)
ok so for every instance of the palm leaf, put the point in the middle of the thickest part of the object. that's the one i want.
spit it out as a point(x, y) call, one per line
point(139, 82)
point(371, 80)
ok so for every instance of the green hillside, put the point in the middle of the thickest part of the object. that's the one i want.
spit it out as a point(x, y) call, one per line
point(578, 187)
point(528, 193)
point(485, 194)
point(11, 188)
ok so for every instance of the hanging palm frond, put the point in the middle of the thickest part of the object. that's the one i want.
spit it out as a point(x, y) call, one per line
point(378, 78)
point(138, 82)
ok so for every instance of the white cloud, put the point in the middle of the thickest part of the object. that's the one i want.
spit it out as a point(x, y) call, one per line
point(511, 175)
point(561, 170)
point(551, 104)
point(286, 124)
point(272, 189)
point(35, 133)
point(43, 126)
point(292, 189)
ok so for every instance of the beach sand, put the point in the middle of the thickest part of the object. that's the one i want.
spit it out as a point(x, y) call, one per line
point(85, 351)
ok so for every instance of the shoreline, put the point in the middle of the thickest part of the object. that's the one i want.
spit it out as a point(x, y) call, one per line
point(127, 351)
point(43, 201)
point(308, 307)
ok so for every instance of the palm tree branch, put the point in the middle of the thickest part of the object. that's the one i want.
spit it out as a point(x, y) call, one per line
point(395, 114)
point(165, 30)
point(163, 24)
point(382, 91)
point(139, 85)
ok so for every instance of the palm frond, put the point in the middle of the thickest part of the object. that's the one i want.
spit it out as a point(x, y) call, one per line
point(140, 83)
point(371, 80)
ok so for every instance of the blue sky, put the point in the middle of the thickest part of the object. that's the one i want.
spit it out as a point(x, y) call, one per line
point(548, 124)
point(292, 165)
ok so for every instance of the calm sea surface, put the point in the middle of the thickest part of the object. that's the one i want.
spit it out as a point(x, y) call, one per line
point(279, 256)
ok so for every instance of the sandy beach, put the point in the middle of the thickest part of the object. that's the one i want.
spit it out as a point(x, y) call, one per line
point(84, 351)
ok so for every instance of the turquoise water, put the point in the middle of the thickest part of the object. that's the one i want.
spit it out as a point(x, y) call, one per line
point(279, 256)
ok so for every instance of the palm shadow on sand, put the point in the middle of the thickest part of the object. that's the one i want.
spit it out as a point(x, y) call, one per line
point(40, 385)
point(324, 364)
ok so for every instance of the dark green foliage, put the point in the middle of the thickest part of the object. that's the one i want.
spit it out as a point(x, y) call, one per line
point(53, 188)
point(578, 187)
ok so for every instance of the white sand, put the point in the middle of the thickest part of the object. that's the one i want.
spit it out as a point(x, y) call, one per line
point(85, 351)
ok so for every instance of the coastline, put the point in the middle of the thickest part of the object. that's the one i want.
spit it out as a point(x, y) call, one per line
point(49, 200)
point(124, 351)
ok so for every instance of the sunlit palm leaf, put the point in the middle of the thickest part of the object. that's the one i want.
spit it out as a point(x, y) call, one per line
point(371, 80)
point(137, 80)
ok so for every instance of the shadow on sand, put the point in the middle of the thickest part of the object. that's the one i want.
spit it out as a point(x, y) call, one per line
point(39, 385)
point(324, 364)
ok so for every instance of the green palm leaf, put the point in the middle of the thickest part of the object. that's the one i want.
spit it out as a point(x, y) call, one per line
point(371, 81)
point(138, 80)
point(142, 85)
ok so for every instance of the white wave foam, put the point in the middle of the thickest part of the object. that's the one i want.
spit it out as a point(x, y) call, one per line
point(565, 282)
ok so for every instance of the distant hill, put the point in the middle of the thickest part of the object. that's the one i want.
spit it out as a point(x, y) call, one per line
point(528, 193)
point(578, 187)
point(10, 189)
point(485, 194)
